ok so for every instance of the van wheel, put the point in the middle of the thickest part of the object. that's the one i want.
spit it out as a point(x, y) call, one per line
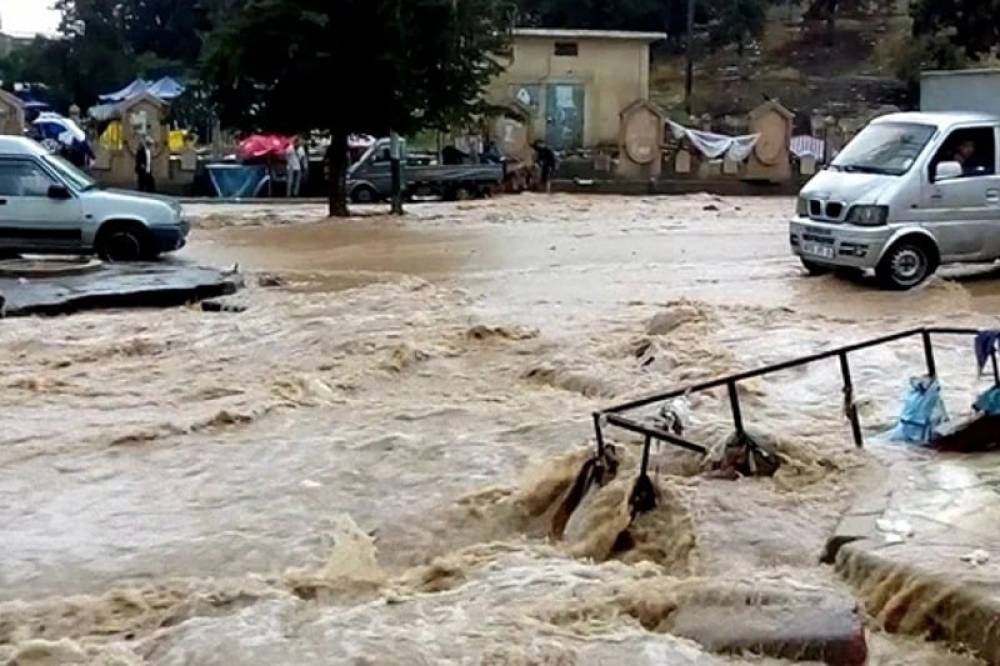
point(364, 194)
point(815, 269)
point(907, 264)
point(124, 243)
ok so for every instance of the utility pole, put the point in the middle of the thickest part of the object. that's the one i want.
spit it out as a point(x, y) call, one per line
point(689, 81)
point(396, 164)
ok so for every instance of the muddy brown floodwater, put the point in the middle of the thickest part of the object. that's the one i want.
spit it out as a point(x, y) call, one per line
point(360, 468)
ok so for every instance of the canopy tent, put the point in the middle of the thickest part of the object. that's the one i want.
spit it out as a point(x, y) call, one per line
point(137, 87)
point(37, 106)
point(166, 89)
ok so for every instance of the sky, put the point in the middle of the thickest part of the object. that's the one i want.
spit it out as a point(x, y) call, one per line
point(28, 16)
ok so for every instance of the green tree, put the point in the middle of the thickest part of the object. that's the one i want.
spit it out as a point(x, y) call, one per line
point(163, 31)
point(351, 66)
point(970, 25)
point(728, 21)
point(600, 14)
point(106, 43)
point(738, 21)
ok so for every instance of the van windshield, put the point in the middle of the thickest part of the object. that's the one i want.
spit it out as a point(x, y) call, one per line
point(885, 148)
point(73, 176)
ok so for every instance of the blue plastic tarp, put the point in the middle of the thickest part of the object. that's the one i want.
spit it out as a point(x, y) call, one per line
point(923, 412)
point(237, 181)
point(989, 402)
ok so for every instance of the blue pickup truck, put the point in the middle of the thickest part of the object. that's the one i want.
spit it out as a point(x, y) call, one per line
point(370, 178)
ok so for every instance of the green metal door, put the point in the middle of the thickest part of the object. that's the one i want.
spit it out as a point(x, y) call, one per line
point(564, 109)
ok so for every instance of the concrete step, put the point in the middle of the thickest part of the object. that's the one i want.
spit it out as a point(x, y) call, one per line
point(823, 627)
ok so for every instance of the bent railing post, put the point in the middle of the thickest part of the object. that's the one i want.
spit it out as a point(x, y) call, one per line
point(850, 409)
point(929, 354)
point(600, 435)
point(734, 403)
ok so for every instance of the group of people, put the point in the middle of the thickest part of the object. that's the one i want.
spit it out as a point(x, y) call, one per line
point(297, 164)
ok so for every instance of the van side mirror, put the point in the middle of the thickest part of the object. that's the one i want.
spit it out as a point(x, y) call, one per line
point(58, 192)
point(947, 171)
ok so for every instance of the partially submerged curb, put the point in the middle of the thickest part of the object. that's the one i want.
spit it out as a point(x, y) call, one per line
point(907, 598)
point(115, 286)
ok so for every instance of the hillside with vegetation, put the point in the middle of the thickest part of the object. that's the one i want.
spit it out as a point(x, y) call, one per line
point(845, 59)
point(858, 72)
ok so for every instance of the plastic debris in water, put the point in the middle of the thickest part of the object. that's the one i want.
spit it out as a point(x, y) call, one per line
point(976, 557)
point(896, 530)
point(675, 415)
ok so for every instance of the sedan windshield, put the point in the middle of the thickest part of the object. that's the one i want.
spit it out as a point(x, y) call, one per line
point(76, 179)
point(885, 148)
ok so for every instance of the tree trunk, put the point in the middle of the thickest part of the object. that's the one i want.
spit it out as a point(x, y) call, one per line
point(336, 160)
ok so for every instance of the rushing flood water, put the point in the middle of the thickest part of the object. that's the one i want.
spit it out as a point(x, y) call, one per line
point(361, 468)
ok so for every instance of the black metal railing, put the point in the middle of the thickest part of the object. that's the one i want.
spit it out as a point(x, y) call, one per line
point(615, 416)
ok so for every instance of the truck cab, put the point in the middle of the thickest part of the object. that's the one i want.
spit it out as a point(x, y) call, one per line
point(370, 178)
point(48, 206)
point(910, 192)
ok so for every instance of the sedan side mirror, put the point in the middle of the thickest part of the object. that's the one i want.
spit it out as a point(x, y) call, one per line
point(948, 171)
point(58, 192)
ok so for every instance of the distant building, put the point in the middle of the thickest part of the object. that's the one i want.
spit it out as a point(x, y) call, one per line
point(8, 43)
point(573, 85)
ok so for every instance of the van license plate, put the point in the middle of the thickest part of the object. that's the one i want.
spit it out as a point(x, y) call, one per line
point(818, 250)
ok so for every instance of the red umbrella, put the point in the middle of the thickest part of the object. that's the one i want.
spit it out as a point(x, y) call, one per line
point(262, 146)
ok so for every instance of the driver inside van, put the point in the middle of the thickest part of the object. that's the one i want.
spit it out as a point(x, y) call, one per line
point(965, 155)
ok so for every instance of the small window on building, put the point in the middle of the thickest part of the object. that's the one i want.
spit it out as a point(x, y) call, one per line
point(568, 49)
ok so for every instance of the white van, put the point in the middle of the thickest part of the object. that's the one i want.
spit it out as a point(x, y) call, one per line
point(910, 192)
point(48, 206)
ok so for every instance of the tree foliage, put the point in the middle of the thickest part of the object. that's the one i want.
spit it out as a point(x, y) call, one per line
point(969, 25)
point(106, 43)
point(728, 21)
point(739, 21)
point(669, 15)
point(354, 66)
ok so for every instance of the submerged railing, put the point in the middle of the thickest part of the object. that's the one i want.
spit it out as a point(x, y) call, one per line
point(616, 416)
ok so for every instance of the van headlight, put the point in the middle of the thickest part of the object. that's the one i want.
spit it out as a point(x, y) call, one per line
point(802, 207)
point(868, 216)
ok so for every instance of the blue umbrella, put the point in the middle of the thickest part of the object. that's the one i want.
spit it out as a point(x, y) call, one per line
point(59, 128)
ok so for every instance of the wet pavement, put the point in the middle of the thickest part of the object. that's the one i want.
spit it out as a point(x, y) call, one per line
point(361, 467)
point(922, 549)
point(171, 282)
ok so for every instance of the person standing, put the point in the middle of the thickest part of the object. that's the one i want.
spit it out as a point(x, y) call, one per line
point(303, 154)
point(545, 158)
point(144, 165)
point(293, 166)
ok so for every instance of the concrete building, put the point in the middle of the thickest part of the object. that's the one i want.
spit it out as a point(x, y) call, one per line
point(573, 85)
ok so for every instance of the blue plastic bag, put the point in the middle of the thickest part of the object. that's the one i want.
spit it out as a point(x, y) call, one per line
point(989, 402)
point(923, 412)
